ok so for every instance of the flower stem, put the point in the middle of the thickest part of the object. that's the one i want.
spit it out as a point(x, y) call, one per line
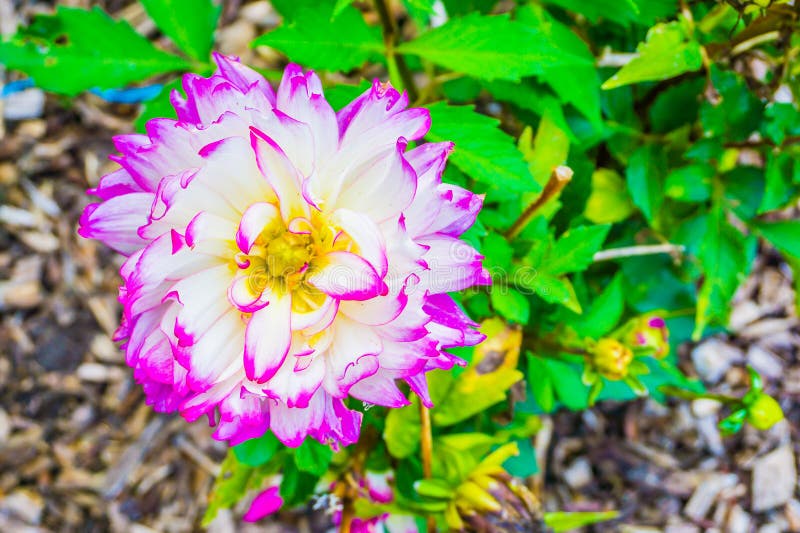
point(390, 39)
point(689, 395)
point(558, 180)
point(633, 251)
point(426, 448)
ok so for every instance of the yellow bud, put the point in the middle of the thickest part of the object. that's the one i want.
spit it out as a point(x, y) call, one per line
point(611, 358)
point(764, 412)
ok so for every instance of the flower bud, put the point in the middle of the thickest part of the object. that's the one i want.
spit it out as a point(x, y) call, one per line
point(648, 333)
point(505, 504)
point(611, 358)
point(764, 412)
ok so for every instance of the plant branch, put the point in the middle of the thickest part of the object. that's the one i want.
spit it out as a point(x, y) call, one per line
point(689, 395)
point(390, 39)
point(634, 251)
point(426, 449)
point(558, 180)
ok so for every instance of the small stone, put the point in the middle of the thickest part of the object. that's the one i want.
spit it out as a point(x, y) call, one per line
point(579, 473)
point(738, 520)
point(9, 174)
point(97, 373)
point(705, 407)
point(25, 505)
point(260, 13)
point(24, 104)
point(20, 295)
point(793, 514)
point(39, 241)
point(682, 528)
point(765, 362)
point(744, 313)
point(706, 493)
point(14, 216)
point(714, 357)
point(34, 129)
point(774, 479)
point(5, 426)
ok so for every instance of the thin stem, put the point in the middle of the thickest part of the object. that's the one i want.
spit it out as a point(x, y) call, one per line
point(755, 41)
point(689, 395)
point(390, 39)
point(633, 251)
point(426, 448)
point(558, 180)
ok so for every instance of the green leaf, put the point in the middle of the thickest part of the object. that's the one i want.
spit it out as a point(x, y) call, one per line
point(781, 170)
point(190, 24)
point(604, 313)
point(569, 387)
point(620, 11)
point(489, 47)
point(561, 522)
point(783, 120)
point(342, 94)
point(258, 451)
point(61, 53)
point(313, 457)
point(691, 183)
point(524, 464)
point(725, 264)
point(158, 107)
point(401, 433)
point(550, 149)
point(645, 177)
point(574, 83)
point(676, 105)
point(667, 52)
point(434, 488)
point(609, 201)
point(297, 486)
point(553, 289)
point(473, 393)
point(497, 253)
point(312, 39)
point(510, 304)
point(541, 383)
point(574, 250)
point(482, 150)
point(783, 235)
point(340, 6)
point(458, 8)
point(531, 96)
point(737, 113)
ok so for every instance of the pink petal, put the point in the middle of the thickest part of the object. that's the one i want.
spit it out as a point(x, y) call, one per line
point(254, 219)
point(265, 504)
point(268, 337)
point(347, 276)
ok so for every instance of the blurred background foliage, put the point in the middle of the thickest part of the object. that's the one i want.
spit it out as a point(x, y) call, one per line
point(678, 122)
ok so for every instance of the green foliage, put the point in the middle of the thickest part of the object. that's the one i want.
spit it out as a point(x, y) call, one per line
point(668, 52)
point(484, 152)
point(61, 53)
point(489, 47)
point(317, 40)
point(234, 481)
point(190, 24)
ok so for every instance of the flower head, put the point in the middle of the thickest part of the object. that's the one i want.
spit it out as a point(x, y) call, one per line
point(283, 257)
point(647, 334)
point(611, 358)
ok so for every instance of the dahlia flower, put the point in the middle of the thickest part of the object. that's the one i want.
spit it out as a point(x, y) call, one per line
point(282, 257)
